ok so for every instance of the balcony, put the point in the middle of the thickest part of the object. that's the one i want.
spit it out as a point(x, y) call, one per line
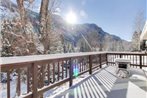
point(38, 74)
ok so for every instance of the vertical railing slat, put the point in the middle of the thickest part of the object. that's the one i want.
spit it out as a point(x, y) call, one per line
point(48, 73)
point(8, 84)
point(136, 59)
point(53, 72)
point(90, 64)
point(120, 55)
point(58, 70)
point(43, 74)
point(106, 59)
point(18, 83)
point(100, 58)
point(133, 60)
point(66, 68)
point(80, 66)
point(140, 56)
point(70, 72)
point(35, 82)
point(28, 79)
point(62, 69)
point(142, 60)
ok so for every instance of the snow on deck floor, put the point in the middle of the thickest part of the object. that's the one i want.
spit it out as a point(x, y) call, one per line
point(106, 84)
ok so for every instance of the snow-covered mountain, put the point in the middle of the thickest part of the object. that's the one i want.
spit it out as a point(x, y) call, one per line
point(91, 34)
point(8, 10)
point(83, 36)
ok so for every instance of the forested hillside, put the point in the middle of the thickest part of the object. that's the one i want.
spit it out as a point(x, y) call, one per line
point(25, 32)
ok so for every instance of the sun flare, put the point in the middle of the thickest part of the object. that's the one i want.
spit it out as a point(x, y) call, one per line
point(71, 18)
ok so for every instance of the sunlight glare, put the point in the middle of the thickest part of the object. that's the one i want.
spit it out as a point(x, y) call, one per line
point(71, 17)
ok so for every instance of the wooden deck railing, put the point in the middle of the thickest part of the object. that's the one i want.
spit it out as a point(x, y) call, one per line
point(43, 72)
point(137, 59)
point(39, 73)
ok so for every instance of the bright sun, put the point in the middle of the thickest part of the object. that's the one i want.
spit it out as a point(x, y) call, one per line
point(71, 17)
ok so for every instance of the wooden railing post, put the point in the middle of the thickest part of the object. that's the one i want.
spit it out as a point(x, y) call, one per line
point(120, 55)
point(140, 56)
point(42, 80)
point(70, 72)
point(18, 83)
point(90, 64)
point(100, 60)
point(106, 59)
point(34, 66)
point(8, 84)
point(28, 78)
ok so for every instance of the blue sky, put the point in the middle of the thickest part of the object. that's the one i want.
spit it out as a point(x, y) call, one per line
point(114, 16)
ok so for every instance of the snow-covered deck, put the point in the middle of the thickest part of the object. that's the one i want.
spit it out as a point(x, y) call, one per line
point(41, 74)
point(104, 83)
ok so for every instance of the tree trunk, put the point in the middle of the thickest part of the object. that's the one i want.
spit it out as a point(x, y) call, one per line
point(43, 15)
point(22, 11)
point(43, 23)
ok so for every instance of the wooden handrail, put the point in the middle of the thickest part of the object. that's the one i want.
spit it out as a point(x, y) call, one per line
point(137, 58)
point(42, 58)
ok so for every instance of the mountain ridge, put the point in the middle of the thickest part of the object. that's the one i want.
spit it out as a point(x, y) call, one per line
point(85, 36)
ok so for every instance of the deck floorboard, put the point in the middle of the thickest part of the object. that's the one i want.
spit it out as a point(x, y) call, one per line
point(106, 84)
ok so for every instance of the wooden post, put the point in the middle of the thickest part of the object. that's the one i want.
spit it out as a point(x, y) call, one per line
point(70, 72)
point(42, 79)
point(66, 68)
point(34, 66)
point(18, 83)
point(120, 55)
point(53, 72)
point(140, 61)
point(90, 64)
point(106, 59)
point(62, 69)
point(48, 75)
point(28, 79)
point(8, 84)
point(43, 75)
point(100, 60)
point(58, 71)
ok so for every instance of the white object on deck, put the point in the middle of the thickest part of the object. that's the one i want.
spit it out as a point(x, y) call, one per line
point(122, 65)
point(123, 60)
